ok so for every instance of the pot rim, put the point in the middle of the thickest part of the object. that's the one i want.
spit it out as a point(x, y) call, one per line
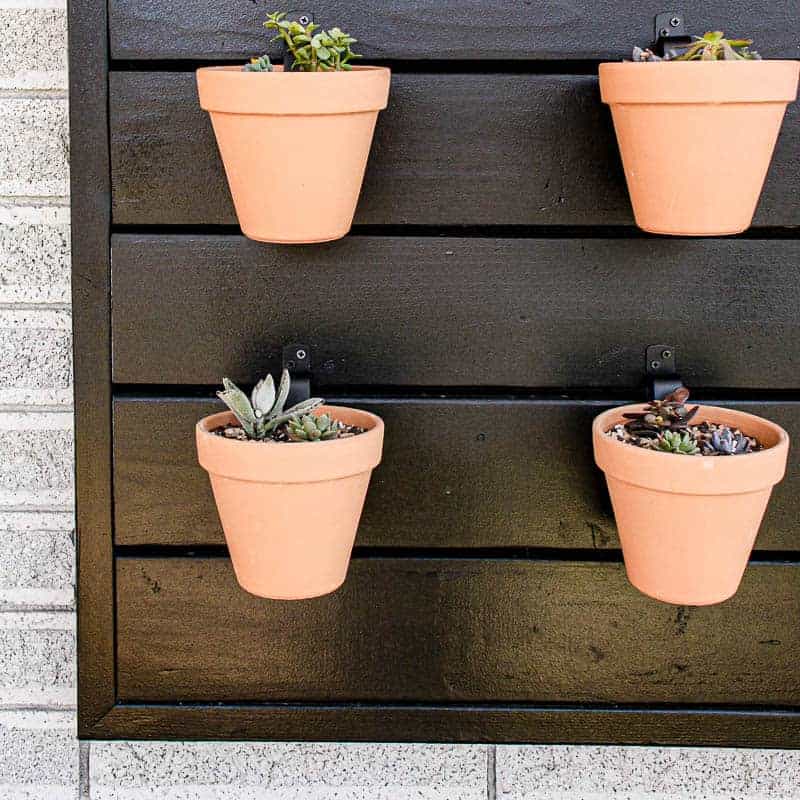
point(700, 475)
point(618, 411)
point(690, 82)
point(230, 90)
point(204, 428)
point(295, 462)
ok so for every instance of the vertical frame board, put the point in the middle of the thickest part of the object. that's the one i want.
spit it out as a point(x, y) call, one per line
point(91, 272)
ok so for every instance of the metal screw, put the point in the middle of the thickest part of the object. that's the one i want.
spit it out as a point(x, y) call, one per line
point(675, 21)
point(304, 20)
point(655, 364)
point(664, 32)
point(301, 354)
point(666, 354)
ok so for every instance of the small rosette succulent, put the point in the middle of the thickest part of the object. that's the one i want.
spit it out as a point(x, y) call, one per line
point(263, 412)
point(726, 442)
point(311, 428)
point(683, 444)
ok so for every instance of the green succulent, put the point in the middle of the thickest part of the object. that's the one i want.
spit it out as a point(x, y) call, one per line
point(713, 46)
point(263, 412)
point(262, 64)
point(310, 428)
point(313, 49)
point(683, 444)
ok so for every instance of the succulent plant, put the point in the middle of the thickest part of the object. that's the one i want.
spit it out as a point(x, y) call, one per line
point(666, 425)
point(670, 414)
point(310, 428)
point(681, 443)
point(313, 49)
point(262, 64)
point(712, 46)
point(263, 412)
point(727, 442)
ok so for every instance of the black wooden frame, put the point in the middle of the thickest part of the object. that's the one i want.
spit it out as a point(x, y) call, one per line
point(101, 716)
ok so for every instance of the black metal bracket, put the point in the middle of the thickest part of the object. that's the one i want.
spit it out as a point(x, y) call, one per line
point(297, 359)
point(303, 17)
point(671, 38)
point(662, 373)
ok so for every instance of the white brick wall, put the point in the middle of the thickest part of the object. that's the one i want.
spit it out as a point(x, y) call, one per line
point(38, 749)
point(39, 756)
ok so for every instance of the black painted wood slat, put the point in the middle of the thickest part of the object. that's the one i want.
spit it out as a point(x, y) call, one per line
point(438, 29)
point(451, 149)
point(90, 184)
point(455, 474)
point(439, 311)
point(477, 723)
point(454, 631)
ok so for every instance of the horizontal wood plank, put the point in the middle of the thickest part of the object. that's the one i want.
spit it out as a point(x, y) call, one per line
point(450, 150)
point(439, 311)
point(476, 723)
point(455, 474)
point(438, 29)
point(453, 631)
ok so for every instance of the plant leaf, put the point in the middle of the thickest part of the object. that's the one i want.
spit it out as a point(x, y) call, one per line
point(263, 396)
point(237, 402)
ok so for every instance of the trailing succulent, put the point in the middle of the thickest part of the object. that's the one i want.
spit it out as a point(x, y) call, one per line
point(311, 49)
point(712, 46)
point(263, 416)
point(666, 426)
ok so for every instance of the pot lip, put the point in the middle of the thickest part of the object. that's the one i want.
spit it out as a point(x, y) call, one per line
point(203, 429)
point(758, 64)
point(278, 71)
point(686, 83)
point(601, 424)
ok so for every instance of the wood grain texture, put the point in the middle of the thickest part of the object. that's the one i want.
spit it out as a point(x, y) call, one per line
point(451, 149)
point(91, 277)
point(437, 29)
point(438, 311)
point(472, 473)
point(453, 631)
point(477, 723)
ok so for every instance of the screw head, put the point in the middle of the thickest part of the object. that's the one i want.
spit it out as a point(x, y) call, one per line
point(664, 32)
point(301, 354)
point(675, 21)
point(303, 20)
point(665, 354)
point(655, 364)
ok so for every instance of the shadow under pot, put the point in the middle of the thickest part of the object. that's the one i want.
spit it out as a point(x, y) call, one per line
point(294, 146)
point(290, 511)
point(696, 138)
point(687, 523)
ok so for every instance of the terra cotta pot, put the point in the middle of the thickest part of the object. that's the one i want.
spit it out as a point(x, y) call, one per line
point(294, 146)
point(687, 524)
point(290, 511)
point(696, 138)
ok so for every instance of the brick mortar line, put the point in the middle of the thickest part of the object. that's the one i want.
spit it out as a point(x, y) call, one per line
point(26, 93)
point(39, 306)
point(11, 202)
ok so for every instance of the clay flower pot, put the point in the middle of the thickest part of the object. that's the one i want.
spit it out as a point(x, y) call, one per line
point(294, 146)
point(696, 138)
point(687, 524)
point(290, 511)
